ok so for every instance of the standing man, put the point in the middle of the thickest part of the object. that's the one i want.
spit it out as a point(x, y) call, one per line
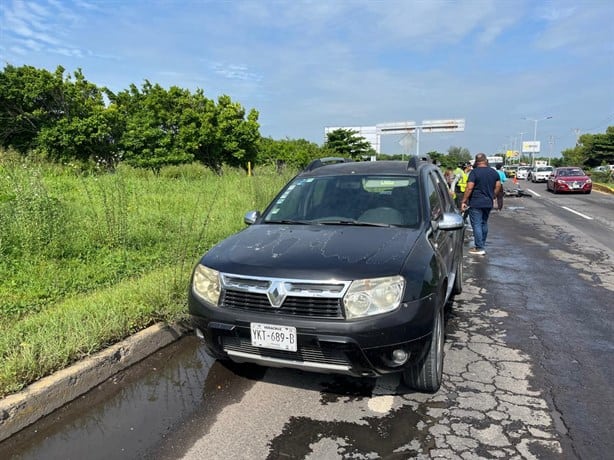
point(483, 185)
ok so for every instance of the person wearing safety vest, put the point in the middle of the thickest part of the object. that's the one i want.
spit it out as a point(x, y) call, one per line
point(461, 184)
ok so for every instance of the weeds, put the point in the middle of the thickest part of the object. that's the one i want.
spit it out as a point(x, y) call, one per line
point(87, 259)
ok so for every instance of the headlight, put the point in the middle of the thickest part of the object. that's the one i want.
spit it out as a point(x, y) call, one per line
point(206, 284)
point(373, 296)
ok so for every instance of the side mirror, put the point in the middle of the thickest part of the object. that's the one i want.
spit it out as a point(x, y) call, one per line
point(451, 221)
point(251, 217)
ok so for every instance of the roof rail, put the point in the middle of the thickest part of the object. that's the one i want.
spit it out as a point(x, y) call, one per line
point(417, 160)
point(326, 161)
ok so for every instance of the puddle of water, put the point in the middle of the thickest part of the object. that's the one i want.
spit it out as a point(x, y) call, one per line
point(125, 415)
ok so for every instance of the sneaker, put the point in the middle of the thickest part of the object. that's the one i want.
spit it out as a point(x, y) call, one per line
point(476, 251)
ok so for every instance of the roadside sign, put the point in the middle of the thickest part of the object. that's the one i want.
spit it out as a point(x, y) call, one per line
point(531, 146)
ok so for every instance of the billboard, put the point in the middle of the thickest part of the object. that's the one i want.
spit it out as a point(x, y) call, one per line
point(531, 146)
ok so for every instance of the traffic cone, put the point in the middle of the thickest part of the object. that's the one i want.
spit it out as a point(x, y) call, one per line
point(515, 180)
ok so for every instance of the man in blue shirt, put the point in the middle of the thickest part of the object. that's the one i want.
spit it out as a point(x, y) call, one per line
point(483, 186)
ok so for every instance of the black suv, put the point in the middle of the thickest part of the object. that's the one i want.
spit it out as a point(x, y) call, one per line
point(347, 271)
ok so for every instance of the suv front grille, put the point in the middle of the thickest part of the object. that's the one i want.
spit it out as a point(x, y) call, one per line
point(308, 354)
point(307, 298)
point(297, 306)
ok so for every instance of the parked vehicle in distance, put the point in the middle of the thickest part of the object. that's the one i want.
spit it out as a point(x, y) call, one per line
point(604, 168)
point(569, 179)
point(541, 173)
point(347, 271)
point(510, 170)
point(522, 172)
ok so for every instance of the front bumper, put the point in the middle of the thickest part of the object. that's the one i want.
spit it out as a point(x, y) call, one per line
point(359, 347)
point(573, 187)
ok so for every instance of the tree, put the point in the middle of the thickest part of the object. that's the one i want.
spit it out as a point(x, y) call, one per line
point(592, 150)
point(237, 135)
point(30, 100)
point(347, 143)
point(86, 129)
point(457, 155)
point(296, 153)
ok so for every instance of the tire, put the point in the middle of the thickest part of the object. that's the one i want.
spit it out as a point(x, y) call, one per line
point(426, 375)
point(458, 280)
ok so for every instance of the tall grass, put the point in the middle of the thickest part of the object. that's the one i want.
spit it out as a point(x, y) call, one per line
point(87, 259)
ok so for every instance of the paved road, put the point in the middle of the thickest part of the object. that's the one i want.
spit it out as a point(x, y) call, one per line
point(528, 372)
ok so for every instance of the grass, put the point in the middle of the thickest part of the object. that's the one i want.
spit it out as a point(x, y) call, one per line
point(87, 259)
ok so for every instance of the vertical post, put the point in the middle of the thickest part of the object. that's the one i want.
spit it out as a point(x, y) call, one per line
point(418, 141)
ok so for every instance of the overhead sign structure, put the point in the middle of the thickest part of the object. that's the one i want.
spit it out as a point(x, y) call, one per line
point(374, 133)
point(441, 126)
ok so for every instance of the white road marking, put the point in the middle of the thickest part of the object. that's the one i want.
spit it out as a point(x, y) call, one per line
point(534, 193)
point(578, 213)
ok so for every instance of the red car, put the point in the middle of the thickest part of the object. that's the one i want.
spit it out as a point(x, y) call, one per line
point(569, 179)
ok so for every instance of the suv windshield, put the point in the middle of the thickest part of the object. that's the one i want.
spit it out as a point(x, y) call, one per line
point(345, 199)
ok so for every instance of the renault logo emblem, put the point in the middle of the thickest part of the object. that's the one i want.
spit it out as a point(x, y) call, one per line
point(277, 294)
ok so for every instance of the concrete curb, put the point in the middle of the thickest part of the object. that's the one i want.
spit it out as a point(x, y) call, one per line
point(48, 394)
point(603, 188)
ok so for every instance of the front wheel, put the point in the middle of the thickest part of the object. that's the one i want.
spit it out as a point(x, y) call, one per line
point(458, 279)
point(426, 375)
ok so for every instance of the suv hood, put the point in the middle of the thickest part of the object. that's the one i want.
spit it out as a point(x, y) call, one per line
point(313, 251)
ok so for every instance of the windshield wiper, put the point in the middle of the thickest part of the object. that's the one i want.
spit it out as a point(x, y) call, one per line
point(289, 222)
point(353, 222)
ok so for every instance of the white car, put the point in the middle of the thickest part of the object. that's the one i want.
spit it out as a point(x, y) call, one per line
point(522, 172)
point(541, 173)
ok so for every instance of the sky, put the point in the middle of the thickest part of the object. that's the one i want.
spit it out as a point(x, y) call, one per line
point(510, 69)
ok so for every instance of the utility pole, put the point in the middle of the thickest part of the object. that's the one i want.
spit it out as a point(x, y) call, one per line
point(577, 133)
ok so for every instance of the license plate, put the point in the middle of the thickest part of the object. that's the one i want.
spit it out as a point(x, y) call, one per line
point(273, 336)
point(575, 185)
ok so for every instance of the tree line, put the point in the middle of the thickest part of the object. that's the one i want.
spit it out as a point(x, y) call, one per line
point(591, 150)
point(66, 118)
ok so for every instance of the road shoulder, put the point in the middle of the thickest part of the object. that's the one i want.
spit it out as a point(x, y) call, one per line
point(48, 394)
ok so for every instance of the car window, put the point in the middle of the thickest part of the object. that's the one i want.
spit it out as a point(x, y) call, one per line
point(388, 200)
point(444, 193)
point(434, 199)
